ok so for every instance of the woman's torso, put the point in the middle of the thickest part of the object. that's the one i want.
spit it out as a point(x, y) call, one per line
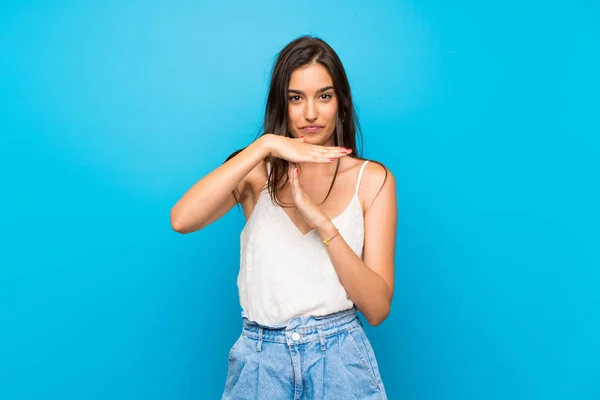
point(285, 270)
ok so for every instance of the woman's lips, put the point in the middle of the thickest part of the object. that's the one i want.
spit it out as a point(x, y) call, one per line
point(311, 129)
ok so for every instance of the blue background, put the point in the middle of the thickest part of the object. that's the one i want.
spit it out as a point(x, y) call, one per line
point(486, 112)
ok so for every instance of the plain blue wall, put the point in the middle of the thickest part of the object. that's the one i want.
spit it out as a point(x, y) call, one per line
point(484, 111)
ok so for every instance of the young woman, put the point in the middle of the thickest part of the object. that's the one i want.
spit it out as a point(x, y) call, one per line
point(318, 243)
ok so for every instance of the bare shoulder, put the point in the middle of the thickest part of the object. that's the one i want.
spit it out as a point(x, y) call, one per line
point(377, 178)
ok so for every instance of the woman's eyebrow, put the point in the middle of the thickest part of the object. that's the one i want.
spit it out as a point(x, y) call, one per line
point(318, 91)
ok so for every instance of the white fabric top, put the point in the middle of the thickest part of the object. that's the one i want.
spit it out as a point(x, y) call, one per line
point(283, 273)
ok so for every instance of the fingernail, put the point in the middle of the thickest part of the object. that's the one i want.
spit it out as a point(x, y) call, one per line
point(296, 169)
point(331, 159)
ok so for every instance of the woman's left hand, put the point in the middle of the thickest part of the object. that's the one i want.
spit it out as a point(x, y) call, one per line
point(309, 210)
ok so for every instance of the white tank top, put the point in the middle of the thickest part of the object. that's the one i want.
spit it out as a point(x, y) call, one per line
point(283, 273)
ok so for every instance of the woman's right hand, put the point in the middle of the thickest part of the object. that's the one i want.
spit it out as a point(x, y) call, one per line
point(295, 150)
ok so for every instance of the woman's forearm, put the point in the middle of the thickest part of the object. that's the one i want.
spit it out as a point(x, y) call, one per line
point(213, 192)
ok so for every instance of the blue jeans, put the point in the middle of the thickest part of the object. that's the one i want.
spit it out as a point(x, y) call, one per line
point(316, 358)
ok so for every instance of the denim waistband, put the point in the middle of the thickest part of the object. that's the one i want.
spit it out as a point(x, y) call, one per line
point(302, 329)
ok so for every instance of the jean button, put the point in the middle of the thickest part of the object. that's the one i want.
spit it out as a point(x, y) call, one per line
point(295, 336)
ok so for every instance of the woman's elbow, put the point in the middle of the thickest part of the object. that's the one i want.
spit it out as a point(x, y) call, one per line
point(176, 223)
point(379, 318)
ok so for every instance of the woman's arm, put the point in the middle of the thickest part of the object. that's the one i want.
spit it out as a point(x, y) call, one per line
point(369, 281)
point(212, 196)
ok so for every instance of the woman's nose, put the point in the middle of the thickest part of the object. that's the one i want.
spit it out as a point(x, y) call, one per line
point(310, 111)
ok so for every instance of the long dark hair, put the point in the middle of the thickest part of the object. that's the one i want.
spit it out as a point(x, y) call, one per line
point(298, 53)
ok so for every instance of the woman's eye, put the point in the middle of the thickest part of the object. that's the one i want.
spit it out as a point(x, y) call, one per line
point(325, 96)
point(295, 98)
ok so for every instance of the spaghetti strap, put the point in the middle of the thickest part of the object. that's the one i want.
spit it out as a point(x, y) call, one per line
point(360, 175)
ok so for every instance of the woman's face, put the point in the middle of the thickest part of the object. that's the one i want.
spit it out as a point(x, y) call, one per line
point(312, 105)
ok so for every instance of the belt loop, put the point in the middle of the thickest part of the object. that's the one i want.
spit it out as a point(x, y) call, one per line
point(321, 338)
point(259, 344)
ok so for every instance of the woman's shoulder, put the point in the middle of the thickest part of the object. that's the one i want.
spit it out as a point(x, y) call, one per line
point(373, 170)
point(374, 177)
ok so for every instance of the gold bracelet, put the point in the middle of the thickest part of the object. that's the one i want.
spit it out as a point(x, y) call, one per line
point(328, 240)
